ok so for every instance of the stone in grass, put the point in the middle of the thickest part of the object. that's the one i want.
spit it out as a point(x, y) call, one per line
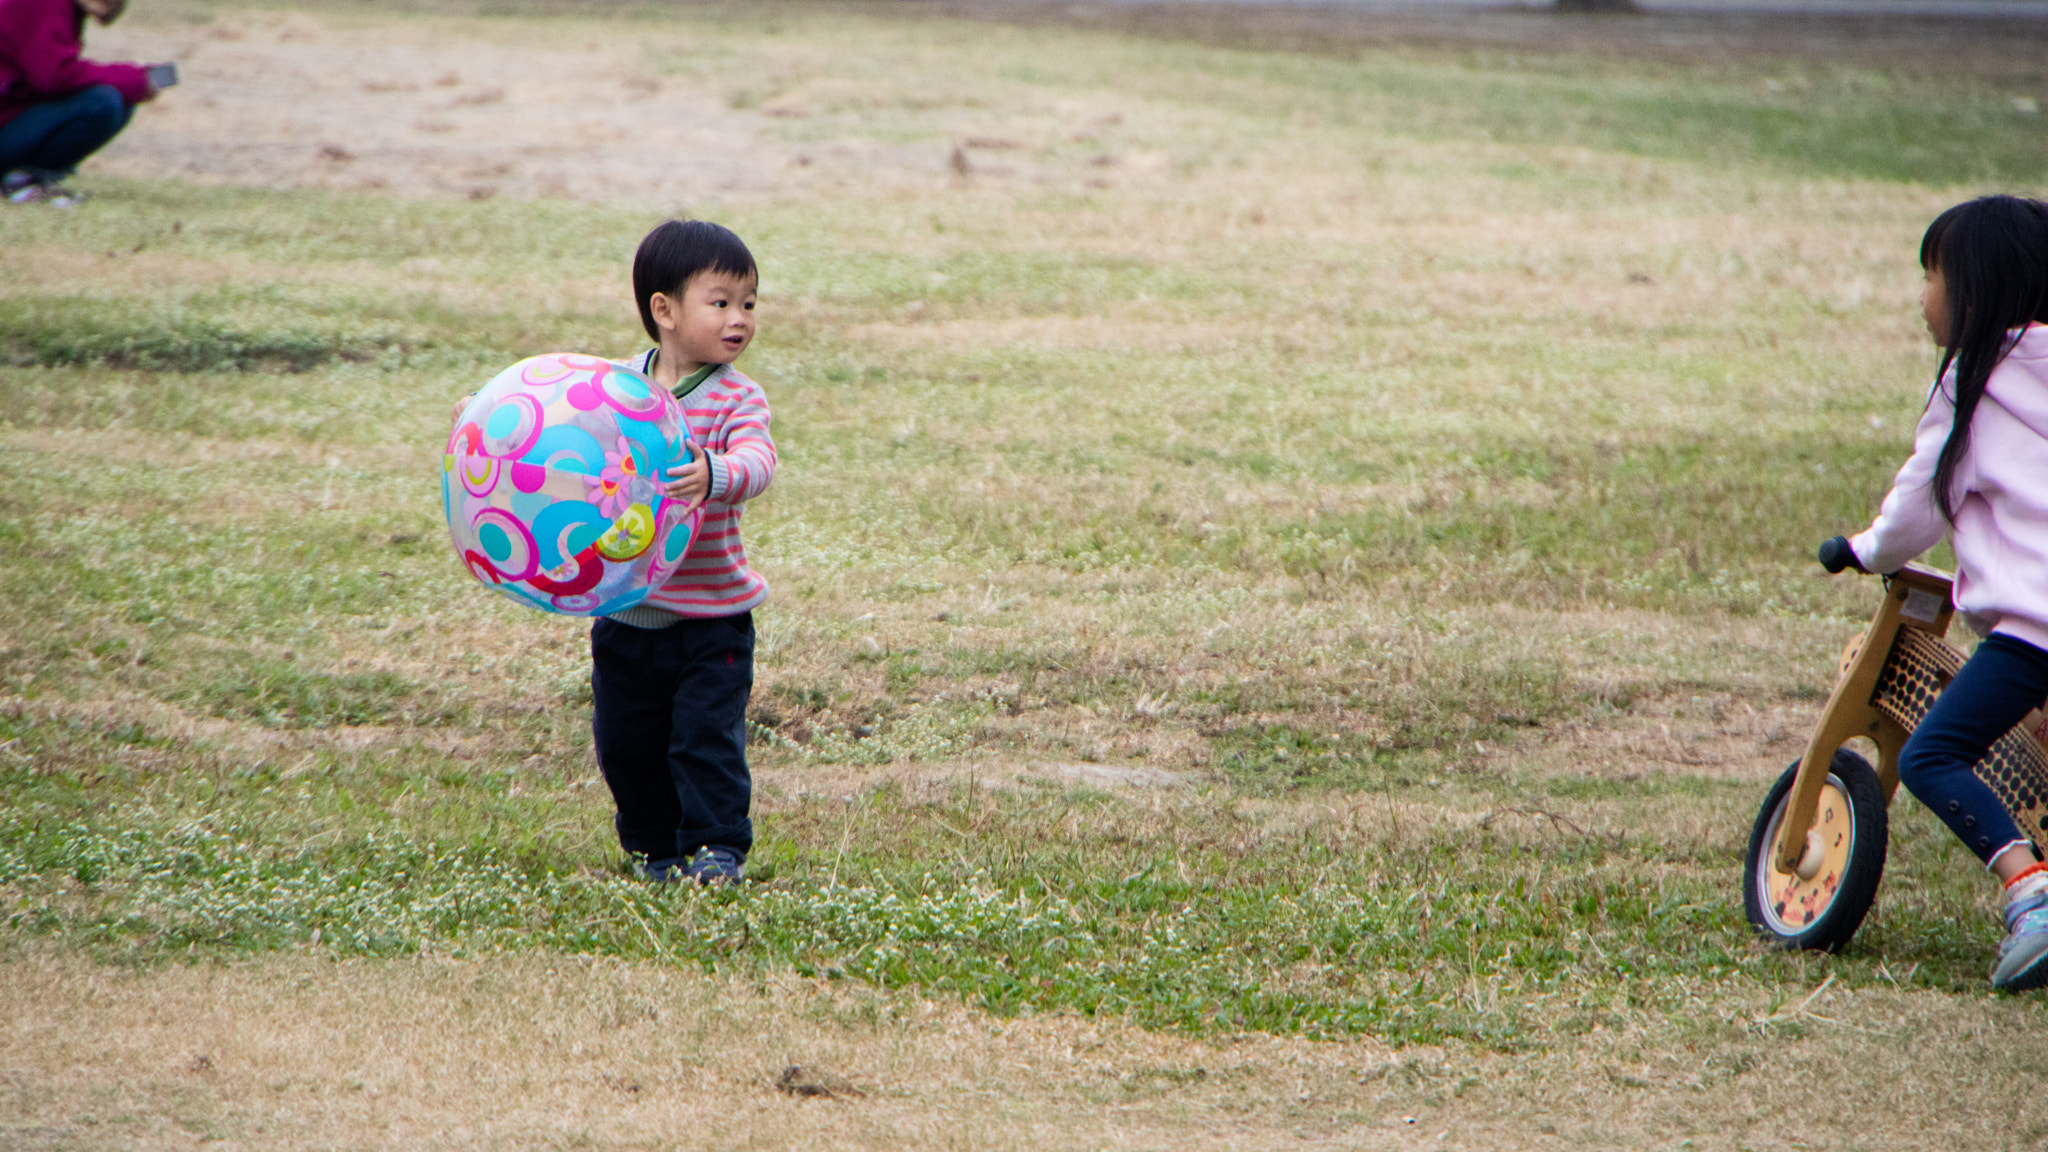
point(797, 1080)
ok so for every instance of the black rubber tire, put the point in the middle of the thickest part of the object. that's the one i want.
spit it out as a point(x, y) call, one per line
point(1856, 890)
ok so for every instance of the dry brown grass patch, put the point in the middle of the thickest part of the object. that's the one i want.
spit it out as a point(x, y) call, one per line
point(538, 1052)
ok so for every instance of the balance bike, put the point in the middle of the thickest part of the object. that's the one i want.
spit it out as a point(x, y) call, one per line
point(1817, 851)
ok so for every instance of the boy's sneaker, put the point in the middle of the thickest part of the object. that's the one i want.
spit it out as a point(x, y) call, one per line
point(662, 871)
point(2023, 954)
point(715, 865)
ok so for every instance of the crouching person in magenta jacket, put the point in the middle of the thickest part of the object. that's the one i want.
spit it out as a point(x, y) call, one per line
point(57, 108)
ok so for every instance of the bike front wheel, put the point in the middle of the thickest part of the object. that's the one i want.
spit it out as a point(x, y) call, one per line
point(1820, 911)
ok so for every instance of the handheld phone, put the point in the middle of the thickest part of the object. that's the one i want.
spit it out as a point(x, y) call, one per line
point(162, 76)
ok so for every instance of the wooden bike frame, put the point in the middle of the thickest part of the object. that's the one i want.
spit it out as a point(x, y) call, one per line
point(1886, 681)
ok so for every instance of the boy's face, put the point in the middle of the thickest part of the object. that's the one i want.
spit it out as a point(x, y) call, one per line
point(711, 321)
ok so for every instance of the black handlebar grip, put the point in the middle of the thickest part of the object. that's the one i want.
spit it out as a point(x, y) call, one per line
point(1835, 555)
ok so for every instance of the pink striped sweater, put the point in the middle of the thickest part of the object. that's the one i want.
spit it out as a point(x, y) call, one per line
point(727, 414)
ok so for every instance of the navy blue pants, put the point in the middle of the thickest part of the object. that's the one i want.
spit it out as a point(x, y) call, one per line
point(2003, 680)
point(669, 719)
point(49, 139)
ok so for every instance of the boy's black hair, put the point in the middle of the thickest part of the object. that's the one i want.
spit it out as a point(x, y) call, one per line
point(1992, 253)
point(678, 250)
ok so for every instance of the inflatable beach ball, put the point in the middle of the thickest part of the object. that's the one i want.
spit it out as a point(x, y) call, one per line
point(552, 482)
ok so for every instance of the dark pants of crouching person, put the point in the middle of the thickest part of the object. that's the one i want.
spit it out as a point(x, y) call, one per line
point(48, 140)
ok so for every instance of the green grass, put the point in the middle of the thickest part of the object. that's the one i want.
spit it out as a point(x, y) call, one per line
point(1794, 97)
point(1516, 930)
point(1830, 121)
point(59, 333)
point(1426, 421)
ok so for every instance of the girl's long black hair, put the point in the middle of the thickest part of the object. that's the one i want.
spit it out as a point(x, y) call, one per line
point(1992, 254)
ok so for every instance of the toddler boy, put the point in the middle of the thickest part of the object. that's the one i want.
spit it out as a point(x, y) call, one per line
point(671, 676)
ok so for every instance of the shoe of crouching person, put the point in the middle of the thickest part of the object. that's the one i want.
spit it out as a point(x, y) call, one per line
point(23, 188)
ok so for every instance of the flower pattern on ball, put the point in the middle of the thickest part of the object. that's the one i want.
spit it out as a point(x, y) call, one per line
point(549, 482)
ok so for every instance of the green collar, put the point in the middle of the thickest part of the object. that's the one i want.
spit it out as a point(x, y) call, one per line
point(684, 385)
point(688, 383)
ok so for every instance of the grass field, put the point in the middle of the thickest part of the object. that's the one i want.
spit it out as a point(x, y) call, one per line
point(1290, 579)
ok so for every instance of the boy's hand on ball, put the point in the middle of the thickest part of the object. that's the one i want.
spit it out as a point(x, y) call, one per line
point(691, 482)
point(455, 413)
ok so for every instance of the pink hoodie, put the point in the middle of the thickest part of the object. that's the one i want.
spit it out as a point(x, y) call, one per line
point(40, 42)
point(2001, 491)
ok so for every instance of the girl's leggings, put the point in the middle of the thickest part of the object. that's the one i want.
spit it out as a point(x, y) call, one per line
point(2003, 680)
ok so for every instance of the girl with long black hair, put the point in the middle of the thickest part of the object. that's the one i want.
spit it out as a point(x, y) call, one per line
point(1979, 472)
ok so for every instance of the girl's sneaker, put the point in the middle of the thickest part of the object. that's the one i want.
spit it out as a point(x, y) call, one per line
point(2023, 954)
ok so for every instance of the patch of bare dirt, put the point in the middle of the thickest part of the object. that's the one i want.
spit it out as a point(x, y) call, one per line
point(1722, 736)
point(286, 101)
point(431, 107)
